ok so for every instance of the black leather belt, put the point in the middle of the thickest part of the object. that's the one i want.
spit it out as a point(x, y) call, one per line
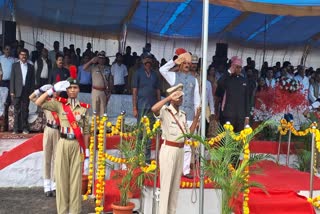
point(54, 126)
point(68, 136)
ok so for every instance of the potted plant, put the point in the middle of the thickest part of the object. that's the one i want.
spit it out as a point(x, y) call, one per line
point(131, 179)
point(224, 167)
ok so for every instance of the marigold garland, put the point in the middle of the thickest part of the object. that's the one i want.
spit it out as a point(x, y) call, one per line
point(246, 156)
point(315, 201)
point(100, 183)
point(187, 184)
point(192, 143)
point(91, 145)
point(151, 168)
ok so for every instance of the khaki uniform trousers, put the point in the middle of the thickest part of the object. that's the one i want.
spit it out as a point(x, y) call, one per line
point(171, 163)
point(68, 177)
point(50, 140)
point(99, 101)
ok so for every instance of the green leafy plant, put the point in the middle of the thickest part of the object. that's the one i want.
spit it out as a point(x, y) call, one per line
point(217, 164)
point(131, 179)
point(303, 150)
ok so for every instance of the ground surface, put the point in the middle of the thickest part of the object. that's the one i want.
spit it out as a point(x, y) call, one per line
point(32, 201)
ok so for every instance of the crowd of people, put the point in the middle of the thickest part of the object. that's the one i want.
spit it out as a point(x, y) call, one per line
point(231, 90)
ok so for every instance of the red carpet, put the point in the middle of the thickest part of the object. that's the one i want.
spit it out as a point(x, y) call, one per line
point(30, 146)
point(276, 202)
point(271, 147)
point(277, 177)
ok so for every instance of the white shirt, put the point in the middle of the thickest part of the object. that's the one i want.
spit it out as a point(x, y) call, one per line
point(119, 72)
point(5, 66)
point(303, 81)
point(270, 83)
point(24, 70)
point(171, 79)
point(44, 72)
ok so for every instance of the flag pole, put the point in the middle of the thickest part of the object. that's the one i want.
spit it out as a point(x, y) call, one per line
point(205, 21)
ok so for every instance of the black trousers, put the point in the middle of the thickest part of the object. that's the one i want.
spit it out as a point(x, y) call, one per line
point(85, 88)
point(21, 112)
point(119, 89)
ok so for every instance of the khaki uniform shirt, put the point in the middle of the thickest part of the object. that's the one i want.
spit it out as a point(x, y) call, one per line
point(98, 76)
point(79, 112)
point(170, 129)
point(49, 117)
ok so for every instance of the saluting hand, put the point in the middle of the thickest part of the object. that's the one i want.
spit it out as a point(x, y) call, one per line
point(175, 96)
point(94, 60)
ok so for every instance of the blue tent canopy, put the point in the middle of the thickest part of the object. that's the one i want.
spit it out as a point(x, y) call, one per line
point(251, 22)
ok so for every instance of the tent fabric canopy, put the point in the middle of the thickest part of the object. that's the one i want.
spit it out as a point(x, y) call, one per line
point(248, 22)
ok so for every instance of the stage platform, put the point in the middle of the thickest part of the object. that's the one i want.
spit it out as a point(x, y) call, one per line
point(21, 165)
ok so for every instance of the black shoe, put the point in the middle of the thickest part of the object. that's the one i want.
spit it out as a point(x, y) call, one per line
point(48, 194)
point(53, 193)
point(189, 176)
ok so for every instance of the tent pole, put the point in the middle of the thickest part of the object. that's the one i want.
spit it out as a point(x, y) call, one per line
point(14, 18)
point(205, 22)
point(147, 21)
point(264, 40)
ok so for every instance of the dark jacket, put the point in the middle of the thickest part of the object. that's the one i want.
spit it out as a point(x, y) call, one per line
point(59, 74)
point(16, 83)
point(236, 89)
point(39, 69)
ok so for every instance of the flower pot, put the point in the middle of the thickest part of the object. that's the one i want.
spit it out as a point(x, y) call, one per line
point(117, 209)
point(84, 187)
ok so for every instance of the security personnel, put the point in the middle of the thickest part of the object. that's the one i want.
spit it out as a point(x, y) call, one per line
point(101, 82)
point(74, 138)
point(51, 136)
point(174, 125)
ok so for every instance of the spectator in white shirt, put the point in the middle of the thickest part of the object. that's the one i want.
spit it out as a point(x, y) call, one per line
point(302, 79)
point(270, 81)
point(314, 89)
point(120, 75)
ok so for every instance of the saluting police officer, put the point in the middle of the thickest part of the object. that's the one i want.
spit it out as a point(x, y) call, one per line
point(174, 125)
point(101, 82)
point(51, 136)
point(74, 138)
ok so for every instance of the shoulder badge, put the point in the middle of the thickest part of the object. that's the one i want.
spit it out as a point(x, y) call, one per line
point(61, 100)
point(85, 105)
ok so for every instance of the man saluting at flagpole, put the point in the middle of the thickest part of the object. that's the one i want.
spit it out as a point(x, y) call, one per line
point(73, 142)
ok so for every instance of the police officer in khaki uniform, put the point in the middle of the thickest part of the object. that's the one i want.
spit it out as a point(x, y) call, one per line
point(51, 136)
point(74, 122)
point(101, 82)
point(174, 125)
